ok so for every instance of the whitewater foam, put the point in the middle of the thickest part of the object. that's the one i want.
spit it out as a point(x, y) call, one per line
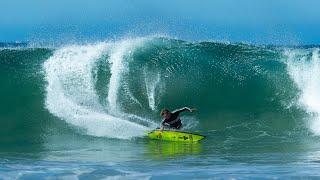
point(118, 67)
point(71, 93)
point(152, 82)
point(304, 68)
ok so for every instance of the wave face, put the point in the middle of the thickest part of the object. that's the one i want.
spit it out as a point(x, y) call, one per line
point(116, 89)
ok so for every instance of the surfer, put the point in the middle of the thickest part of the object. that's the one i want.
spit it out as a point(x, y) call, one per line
point(172, 119)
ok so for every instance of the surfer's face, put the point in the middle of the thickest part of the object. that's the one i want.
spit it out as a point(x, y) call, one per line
point(166, 115)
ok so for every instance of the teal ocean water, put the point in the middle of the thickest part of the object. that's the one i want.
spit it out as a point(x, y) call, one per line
point(82, 110)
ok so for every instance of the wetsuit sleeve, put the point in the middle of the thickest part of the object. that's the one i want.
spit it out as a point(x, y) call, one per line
point(178, 111)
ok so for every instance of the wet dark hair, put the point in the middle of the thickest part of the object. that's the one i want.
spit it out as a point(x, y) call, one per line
point(164, 111)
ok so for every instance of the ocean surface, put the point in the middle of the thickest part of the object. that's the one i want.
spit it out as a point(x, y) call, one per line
point(81, 111)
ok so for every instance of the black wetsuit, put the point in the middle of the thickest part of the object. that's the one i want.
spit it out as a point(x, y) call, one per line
point(174, 121)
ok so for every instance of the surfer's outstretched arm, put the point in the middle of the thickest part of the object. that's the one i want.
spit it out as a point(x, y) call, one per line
point(184, 109)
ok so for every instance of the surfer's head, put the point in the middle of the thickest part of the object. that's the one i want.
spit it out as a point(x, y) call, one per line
point(165, 113)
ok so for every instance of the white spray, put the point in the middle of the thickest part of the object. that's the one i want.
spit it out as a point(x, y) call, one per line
point(152, 82)
point(71, 94)
point(305, 71)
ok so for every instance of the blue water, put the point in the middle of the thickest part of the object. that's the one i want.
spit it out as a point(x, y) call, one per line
point(83, 111)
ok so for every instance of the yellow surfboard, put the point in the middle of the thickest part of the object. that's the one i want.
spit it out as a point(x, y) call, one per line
point(170, 135)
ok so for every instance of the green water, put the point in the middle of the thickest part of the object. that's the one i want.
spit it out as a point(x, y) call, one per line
point(83, 110)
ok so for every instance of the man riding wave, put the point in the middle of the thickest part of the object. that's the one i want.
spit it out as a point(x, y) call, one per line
point(172, 119)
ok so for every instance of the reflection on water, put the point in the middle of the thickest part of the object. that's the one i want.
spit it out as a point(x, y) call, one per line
point(164, 149)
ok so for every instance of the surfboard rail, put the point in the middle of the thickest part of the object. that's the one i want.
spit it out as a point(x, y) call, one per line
point(172, 135)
